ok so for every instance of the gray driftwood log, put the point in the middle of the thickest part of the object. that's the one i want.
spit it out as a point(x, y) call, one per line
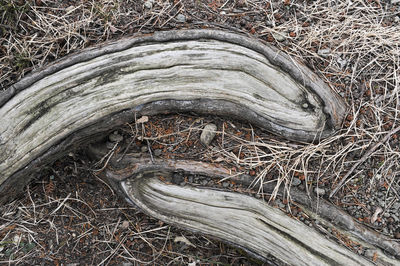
point(83, 97)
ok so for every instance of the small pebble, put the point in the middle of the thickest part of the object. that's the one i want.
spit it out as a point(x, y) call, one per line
point(157, 152)
point(342, 62)
point(69, 9)
point(324, 52)
point(148, 4)
point(319, 191)
point(143, 148)
point(208, 134)
point(181, 18)
point(115, 137)
point(296, 182)
point(125, 224)
point(279, 37)
point(369, 253)
point(225, 184)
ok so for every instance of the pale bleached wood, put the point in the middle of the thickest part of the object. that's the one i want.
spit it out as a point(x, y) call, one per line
point(238, 219)
point(78, 99)
point(137, 167)
point(205, 71)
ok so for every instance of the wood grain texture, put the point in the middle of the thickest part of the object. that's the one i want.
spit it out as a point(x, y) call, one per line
point(205, 71)
point(239, 219)
point(130, 176)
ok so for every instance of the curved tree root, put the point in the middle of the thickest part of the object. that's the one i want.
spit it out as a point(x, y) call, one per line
point(77, 100)
point(217, 213)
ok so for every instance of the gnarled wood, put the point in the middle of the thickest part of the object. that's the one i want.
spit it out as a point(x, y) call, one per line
point(77, 100)
point(240, 219)
point(197, 70)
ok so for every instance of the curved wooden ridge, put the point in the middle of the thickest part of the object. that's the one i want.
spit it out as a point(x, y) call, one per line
point(206, 71)
point(240, 219)
point(77, 100)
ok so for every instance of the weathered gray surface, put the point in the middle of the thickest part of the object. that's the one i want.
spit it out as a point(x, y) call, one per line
point(77, 100)
point(198, 70)
point(238, 219)
point(135, 177)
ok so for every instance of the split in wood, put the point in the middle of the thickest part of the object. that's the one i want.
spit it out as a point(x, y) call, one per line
point(239, 219)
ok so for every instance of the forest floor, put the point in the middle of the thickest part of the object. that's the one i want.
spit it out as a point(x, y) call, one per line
point(69, 216)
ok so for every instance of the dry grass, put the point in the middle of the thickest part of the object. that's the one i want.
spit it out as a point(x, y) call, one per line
point(352, 45)
point(56, 227)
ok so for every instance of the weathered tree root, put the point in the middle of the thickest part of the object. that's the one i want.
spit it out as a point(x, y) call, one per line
point(239, 219)
point(207, 71)
point(79, 99)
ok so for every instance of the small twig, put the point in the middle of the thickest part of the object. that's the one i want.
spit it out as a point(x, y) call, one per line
point(108, 156)
point(151, 154)
point(365, 156)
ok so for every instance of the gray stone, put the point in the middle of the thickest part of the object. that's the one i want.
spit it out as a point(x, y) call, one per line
point(157, 152)
point(324, 52)
point(208, 134)
point(278, 36)
point(110, 145)
point(148, 4)
point(319, 191)
point(225, 184)
point(143, 148)
point(115, 137)
point(342, 62)
point(280, 204)
point(181, 18)
point(296, 181)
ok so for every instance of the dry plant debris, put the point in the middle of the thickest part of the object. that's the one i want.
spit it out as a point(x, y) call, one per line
point(352, 45)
